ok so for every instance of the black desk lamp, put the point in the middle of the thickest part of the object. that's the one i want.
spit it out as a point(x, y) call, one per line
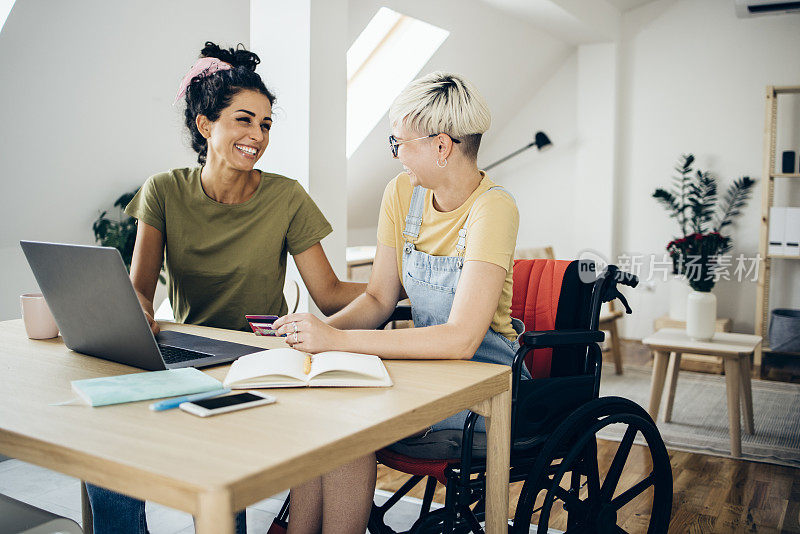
point(540, 141)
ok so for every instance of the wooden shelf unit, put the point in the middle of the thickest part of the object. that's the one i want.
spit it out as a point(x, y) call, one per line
point(783, 257)
point(767, 200)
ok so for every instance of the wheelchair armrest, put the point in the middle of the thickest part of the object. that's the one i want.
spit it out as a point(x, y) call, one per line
point(402, 312)
point(554, 338)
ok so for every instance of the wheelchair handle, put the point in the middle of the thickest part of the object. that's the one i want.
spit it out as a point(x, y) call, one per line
point(619, 277)
point(615, 294)
point(626, 279)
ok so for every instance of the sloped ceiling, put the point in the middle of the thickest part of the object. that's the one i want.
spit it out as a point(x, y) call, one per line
point(573, 21)
point(627, 5)
point(505, 58)
point(508, 48)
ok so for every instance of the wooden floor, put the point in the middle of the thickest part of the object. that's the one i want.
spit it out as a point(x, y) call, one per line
point(711, 494)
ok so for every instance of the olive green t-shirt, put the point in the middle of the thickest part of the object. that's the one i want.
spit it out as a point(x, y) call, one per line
point(227, 260)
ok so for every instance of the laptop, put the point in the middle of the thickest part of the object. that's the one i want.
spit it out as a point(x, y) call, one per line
point(96, 309)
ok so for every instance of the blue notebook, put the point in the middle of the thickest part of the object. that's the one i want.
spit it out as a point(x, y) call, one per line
point(142, 386)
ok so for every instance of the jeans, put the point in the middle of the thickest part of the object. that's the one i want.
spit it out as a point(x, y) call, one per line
point(115, 513)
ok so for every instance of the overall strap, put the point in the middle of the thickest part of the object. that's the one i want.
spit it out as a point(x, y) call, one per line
point(461, 245)
point(414, 216)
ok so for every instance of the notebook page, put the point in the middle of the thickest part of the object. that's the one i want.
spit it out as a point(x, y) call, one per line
point(268, 363)
point(359, 364)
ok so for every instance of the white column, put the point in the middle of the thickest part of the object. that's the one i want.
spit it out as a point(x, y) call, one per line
point(302, 45)
point(595, 166)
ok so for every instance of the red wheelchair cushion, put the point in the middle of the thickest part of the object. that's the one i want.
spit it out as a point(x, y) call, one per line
point(415, 466)
point(534, 301)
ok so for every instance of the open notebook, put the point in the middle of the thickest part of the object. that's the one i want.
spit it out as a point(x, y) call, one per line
point(281, 368)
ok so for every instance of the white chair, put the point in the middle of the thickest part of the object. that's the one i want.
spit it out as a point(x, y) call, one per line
point(291, 292)
point(164, 312)
point(19, 518)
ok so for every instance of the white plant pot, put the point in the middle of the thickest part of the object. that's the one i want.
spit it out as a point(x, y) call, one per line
point(701, 315)
point(678, 293)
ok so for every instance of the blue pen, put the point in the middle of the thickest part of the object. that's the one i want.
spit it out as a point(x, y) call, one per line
point(176, 401)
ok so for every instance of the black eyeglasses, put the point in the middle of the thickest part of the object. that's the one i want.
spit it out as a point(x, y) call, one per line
point(394, 143)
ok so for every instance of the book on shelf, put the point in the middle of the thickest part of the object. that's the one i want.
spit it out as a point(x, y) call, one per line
point(791, 232)
point(286, 367)
point(777, 230)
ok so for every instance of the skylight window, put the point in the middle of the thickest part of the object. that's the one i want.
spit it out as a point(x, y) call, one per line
point(387, 55)
point(5, 9)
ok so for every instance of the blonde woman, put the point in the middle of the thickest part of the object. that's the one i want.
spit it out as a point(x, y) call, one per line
point(446, 238)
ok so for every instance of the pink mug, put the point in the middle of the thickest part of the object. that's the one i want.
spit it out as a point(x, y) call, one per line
point(39, 322)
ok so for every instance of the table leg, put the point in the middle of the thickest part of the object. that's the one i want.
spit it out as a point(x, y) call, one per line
point(616, 350)
point(672, 382)
point(498, 451)
point(732, 385)
point(757, 359)
point(215, 513)
point(86, 511)
point(657, 382)
point(747, 394)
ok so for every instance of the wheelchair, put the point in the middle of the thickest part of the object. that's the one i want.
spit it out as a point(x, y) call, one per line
point(556, 417)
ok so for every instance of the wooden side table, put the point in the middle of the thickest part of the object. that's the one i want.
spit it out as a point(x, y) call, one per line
point(735, 349)
point(701, 363)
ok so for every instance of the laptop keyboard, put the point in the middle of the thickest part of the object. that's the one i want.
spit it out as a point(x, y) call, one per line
point(177, 354)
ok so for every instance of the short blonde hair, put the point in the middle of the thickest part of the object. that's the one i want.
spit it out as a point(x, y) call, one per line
point(442, 102)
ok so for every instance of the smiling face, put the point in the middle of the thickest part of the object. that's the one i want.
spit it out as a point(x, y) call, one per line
point(238, 138)
point(418, 157)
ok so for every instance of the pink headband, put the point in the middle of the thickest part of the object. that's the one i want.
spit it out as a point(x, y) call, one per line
point(205, 66)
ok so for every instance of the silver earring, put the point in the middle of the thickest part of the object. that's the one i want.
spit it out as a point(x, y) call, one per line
point(440, 164)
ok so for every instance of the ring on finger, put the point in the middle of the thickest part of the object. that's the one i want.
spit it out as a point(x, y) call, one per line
point(295, 327)
point(295, 338)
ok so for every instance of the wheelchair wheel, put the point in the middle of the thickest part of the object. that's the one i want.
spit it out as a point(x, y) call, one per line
point(592, 504)
point(438, 522)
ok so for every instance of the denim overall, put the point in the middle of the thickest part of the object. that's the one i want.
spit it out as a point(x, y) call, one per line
point(430, 282)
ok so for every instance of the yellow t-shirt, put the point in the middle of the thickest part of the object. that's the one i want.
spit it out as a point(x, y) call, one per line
point(491, 233)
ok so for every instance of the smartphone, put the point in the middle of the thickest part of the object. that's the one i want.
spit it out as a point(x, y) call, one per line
point(262, 324)
point(228, 403)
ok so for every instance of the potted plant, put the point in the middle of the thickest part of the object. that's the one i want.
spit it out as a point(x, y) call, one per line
point(677, 203)
point(694, 203)
point(119, 232)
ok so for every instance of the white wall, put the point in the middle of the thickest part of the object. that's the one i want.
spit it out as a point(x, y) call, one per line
point(693, 79)
point(565, 193)
point(593, 206)
point(87, 111)
point(543, 183)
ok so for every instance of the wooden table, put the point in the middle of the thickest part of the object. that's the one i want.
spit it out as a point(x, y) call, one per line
point(736, 349)
point(213, 467)
point(702, 363)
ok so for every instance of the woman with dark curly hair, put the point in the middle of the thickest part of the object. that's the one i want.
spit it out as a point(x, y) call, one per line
point(224, 229)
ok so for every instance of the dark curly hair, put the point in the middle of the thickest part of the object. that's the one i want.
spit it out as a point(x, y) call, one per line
point(211, 94)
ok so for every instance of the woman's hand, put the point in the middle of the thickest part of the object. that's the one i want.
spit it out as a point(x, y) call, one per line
point(152, 322)
point(306, 332)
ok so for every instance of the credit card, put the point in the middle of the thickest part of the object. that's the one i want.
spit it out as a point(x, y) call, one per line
point(262, 318)
point(262, 324)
